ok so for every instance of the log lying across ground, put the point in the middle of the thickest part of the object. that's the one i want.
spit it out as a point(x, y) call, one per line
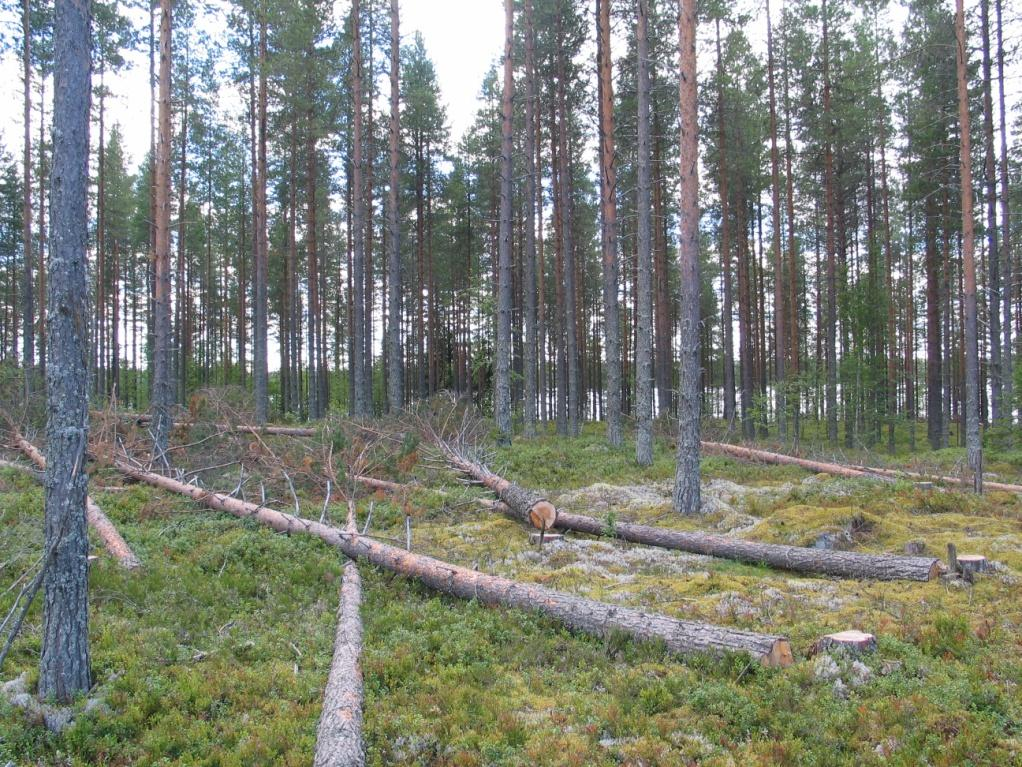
point(844, 470)
point(585, 615)
point(765, 456)
point(99, 521)
point(844, 564)
point(283, 431)
point(339, 735)
point(524, 503)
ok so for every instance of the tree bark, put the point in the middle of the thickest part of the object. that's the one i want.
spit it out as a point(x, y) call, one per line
point(27, 292)
point(339, 735)
point(990, 192)
point(529, 277)
point(260, 374)
point(644, 287)
point(973, 445)
point(64, 668)
point(686, 479)
point(395, 374)
point(842, 564)
point(780, 336)
point(583, 615)
point(502, 363)
point(162, 386)
point(831, 321)
point(1007, 267)
point(362, 408)
point(727, 320)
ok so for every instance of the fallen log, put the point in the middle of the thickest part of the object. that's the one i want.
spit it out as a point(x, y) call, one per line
point(524, 503)
point(339, 734)
point(585, 615)
point(764, 456)
point(844, 564)
point(283, 431)
point(848, 470)
point(800, 559)
point(99, 521)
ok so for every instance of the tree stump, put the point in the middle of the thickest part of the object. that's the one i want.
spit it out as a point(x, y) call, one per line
point(852, 642)
point(970, 564)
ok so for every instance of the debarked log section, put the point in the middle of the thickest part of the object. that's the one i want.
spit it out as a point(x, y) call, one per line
point(100, 522)
point(585, 615)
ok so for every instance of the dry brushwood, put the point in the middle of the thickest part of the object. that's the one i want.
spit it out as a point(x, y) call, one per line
point(578, 613)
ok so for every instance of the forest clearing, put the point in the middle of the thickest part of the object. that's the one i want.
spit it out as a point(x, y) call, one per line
point(510, 382)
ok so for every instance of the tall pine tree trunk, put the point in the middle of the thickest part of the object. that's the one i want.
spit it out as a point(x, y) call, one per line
point(362, 406)
point(395, 372)
point(529, 277)
point(608, 232)
point(644, 288)
point(727, 319)
point(64, 660)
point(831, 319)
point(990, 193)
point(974, 447)
point(163, 393)
point(686, 480)
point(27, 291)
point(260, 370)
point(502, 363)
point(1007, 351)
point(780, 337)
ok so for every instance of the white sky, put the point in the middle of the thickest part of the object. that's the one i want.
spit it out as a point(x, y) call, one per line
point(463, 38)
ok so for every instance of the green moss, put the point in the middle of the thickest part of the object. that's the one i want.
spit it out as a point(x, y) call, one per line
point(217, 652)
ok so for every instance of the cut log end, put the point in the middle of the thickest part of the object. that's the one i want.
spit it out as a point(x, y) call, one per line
point(543, 515)
point(853, 642)
point(779, 655)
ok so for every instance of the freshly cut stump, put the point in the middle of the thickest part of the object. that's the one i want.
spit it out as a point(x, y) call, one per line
point(852, 642)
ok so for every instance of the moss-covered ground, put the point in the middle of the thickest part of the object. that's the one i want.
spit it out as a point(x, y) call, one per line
point(216, 653)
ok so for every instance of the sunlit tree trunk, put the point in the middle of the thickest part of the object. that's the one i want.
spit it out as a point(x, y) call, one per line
point(686, 480)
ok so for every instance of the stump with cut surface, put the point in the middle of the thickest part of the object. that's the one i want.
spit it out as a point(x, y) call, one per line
point(584, 615)
point(970, 564)
point(853, 642)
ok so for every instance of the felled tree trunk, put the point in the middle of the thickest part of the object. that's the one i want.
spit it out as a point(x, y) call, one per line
point(339, 735)
point(284, 431)
point(524, 503)
point(843, 564)
point(585, 615)
point(751, 454)
point(99, 521)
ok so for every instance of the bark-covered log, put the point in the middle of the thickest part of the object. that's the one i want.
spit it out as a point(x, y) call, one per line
point(99, 521)
point(585, 615)
point(283, 431)
point(751, 454)
point(844, 564)
point(525, 503)
point(339, 735)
